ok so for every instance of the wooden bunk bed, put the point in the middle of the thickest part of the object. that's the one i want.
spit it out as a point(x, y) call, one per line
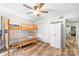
point(22, 41)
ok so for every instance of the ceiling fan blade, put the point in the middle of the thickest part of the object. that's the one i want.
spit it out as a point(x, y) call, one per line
point(29, 12)
point(27, 6)
point(41, 5)
point(44, 11)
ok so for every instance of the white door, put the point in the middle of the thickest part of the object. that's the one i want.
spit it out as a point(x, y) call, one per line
point(55, 30)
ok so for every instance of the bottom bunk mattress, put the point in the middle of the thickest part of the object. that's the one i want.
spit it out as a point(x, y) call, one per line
point(16, 36)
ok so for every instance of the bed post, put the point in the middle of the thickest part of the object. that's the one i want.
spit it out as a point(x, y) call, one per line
point(20, 43)
point(36, 31)
point(8, 36)
point(13, 41)
point(4, 36)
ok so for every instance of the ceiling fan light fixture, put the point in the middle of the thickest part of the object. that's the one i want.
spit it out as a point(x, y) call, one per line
point(36, 9)
point(36, 12)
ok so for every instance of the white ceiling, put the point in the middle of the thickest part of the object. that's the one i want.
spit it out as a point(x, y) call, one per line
point(55, 9)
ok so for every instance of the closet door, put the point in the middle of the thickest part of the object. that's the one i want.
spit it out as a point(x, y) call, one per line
point(55, 31)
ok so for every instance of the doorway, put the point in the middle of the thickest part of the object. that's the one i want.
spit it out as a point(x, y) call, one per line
point(71, 36)
point(73, 30)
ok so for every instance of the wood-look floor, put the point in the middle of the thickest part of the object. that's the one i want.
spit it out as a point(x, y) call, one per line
point(37, 49)
point(44, 49)
point(71, 48)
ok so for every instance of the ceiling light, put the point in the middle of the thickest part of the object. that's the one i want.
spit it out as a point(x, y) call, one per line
point(36, 12)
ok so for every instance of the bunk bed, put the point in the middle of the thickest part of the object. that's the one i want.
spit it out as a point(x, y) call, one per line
point(21, 41)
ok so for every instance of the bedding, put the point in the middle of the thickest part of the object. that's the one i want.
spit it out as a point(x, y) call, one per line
point(17, 36)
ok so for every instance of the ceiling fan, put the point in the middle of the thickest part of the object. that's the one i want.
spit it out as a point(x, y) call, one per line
point(36, 9)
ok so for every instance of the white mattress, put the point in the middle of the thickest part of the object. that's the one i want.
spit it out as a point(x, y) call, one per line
point(17, 36)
